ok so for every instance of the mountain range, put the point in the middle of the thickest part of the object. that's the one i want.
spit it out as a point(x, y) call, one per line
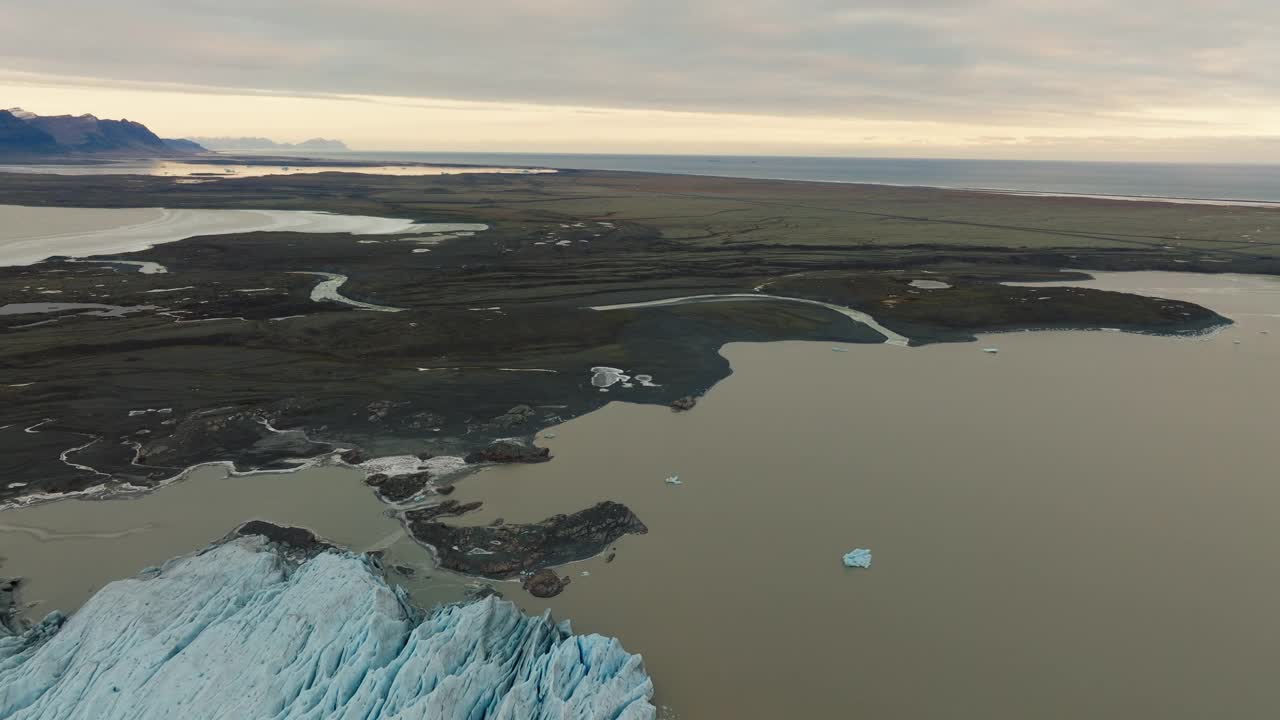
point(25, 133)
point(261, 143)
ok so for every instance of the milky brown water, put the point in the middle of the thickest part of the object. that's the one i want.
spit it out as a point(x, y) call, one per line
point(1084, 525)
point(67, 550)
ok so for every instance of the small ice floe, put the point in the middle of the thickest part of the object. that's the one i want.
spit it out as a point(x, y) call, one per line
point(628, 386)
point(674, 480)
point(421, 250)
point(929, 284)
point(244, 290)
point(585, 573)
point(857, 558)
point(604, 377)
point(188, 287)
point(646, 381)
point(549, 436)
point(839, 349)
point(148, 411)
point(991, 350)
point(50, 292)
point(564, 243)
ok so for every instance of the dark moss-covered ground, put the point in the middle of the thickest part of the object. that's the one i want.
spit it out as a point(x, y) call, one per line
point(501, 319)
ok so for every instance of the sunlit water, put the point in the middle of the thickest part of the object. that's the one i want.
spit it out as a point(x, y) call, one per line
point(194, 172)
point(31, 234)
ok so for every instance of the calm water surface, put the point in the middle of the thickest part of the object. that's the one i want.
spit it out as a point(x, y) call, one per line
point(1083, 525)
point(1127, 179)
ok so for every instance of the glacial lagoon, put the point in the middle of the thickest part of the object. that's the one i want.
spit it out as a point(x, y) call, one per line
point(1080, 525)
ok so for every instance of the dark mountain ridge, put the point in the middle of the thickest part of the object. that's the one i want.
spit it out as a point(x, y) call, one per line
point(26, 134)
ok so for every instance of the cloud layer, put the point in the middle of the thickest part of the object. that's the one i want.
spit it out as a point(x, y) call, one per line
point(993, 61)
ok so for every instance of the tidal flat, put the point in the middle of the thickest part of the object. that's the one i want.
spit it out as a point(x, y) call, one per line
point(243, 330)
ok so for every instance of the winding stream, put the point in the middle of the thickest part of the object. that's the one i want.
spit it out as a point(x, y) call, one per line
point(327, 291)
point(891, 337)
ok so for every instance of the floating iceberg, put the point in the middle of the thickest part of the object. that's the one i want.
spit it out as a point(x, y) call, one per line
point(858, 558)
point(247, 629)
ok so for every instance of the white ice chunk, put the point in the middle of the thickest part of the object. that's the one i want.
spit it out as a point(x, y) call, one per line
point(858, 558)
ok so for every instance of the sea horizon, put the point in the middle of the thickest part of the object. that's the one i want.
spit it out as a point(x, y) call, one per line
point(1188, 181)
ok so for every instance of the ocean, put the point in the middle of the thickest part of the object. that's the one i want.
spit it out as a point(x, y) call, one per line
point(1235, 182)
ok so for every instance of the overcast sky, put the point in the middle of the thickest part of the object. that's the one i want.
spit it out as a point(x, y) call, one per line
point(1174, 79)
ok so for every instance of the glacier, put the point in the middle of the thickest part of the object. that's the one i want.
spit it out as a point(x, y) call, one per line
point(247, 628)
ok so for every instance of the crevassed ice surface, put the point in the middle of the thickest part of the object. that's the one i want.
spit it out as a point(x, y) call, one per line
point(240, 632)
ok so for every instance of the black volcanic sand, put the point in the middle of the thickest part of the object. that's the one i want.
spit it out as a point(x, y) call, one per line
point(342, 377)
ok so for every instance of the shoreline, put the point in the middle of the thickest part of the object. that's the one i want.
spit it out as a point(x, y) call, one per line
point(398, 465)
point(252, 159)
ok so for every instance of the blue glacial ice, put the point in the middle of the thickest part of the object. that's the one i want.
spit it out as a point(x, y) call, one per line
point(858, 558)
point(241, 631)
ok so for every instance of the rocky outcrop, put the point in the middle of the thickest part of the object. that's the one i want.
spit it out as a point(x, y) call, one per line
point(294, 540)
point(448, 508)
point(9, 624)
point(507, 550)
point(544, 583)
point(242, 630)
point(505, 451)
point(398, 488)
point(509, 422)
point(683, 404)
